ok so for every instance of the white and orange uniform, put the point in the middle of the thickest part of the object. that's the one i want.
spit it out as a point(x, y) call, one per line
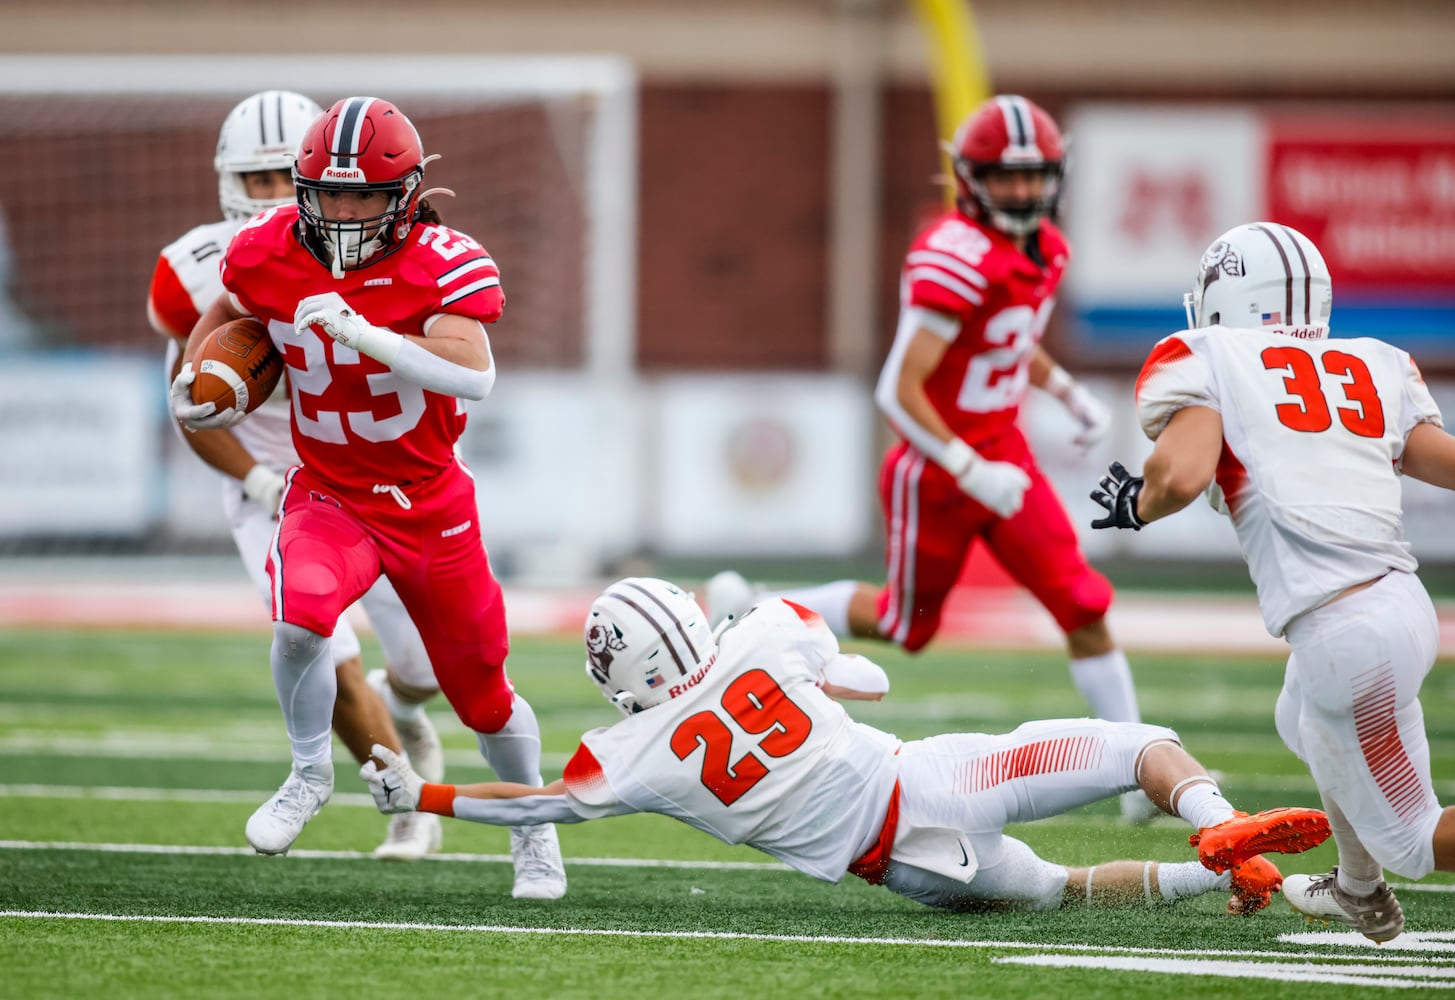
point(966, 282)
point(1313, 435)
point(752, 752)
point(184, 283)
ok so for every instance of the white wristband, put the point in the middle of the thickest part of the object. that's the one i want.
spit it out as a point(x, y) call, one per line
point(1058, 382)
point(264, 486)
point(956, 457)
point(379, 343)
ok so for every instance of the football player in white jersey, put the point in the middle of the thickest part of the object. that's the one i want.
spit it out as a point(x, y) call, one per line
point(254, 161)
point(1301, 441)
point(736, 736)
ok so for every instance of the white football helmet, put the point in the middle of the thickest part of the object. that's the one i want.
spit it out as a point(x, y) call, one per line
point(261, 133)
point(647, 641)
point(1262, 275)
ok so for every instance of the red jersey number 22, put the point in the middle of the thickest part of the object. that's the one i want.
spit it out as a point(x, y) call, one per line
point(1311, 414)
point(756, 703)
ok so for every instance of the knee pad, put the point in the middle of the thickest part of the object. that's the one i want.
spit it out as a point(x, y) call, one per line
point(296, 644)
point(1083, 603)
point(485, 708)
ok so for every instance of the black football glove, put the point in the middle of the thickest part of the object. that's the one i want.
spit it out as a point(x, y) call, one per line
point(1117, 492)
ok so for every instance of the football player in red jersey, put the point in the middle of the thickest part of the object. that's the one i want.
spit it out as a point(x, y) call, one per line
point(254, 164)
point(379, 311)
point(976, 291)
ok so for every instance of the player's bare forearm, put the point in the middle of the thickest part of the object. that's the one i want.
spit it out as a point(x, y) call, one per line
point(920, 361)
point(221, 450)
point(1041, 366)
point(458, 340)
point(1429, 456)
point(1182, 464)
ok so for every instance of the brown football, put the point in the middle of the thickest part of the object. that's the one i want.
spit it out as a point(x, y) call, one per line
point(237, 365)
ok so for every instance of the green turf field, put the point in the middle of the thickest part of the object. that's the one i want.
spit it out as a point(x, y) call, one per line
point(132, 759)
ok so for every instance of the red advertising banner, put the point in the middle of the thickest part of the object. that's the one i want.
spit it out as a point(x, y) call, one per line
point(1375, 194)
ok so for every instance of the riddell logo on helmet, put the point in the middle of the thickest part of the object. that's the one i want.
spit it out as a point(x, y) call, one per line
point(692, 681)
point(343, 174)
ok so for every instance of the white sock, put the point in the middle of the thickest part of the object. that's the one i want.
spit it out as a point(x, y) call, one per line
point(401, 711)
point(1201, 803)
point(307, 686)
point(1181, 879)
point(830, 600)
point(1359, 873)
point(514, 751)
point(1105, 681)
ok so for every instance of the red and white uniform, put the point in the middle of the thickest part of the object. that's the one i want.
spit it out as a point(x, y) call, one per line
point(380, 486)
point(356, 423)
point(1313, 435)
point(754, 753)
point(991, 302)
point(185, 282)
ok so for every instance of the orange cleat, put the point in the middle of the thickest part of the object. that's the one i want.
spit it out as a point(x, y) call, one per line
point(1280, 831)
point(1254, 883)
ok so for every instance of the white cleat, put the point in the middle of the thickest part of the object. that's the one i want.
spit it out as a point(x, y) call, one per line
point(417, 736)
point(412, 836)
point(278, 822)
point(1318, 897)
point(729, 595)
point(539, 871)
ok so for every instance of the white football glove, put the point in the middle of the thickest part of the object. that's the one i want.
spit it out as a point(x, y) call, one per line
point(264, 487)
point(335, 317)
point(1000, 486)
point(396, 788)
point(1085, 409)
point(1095, 418)
point(198, 416)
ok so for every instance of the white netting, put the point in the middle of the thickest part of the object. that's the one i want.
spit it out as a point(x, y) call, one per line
point(108, 159)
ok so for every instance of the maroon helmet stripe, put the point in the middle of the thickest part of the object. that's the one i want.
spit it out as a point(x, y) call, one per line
point(1308, 277)
point(662, 630)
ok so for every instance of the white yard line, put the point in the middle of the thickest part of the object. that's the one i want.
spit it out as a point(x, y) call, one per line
point(181, 849)
point(1433, 971)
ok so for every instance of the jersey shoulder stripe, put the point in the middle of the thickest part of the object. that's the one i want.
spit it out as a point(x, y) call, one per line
point(949, 262)
point(919, 276)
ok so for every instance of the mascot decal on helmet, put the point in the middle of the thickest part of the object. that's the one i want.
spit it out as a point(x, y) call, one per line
point(1219, 259)
point(602, 640)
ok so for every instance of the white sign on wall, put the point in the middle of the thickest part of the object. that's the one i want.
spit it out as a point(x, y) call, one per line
point(767, 465)
point(1147, 189)
point(78, 463)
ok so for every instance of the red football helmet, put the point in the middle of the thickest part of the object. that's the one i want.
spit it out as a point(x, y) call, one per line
point(360, 144)
point(1007, 133)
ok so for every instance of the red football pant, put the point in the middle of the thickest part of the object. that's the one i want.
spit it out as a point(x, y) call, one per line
point(932, 525)
point(333, 543)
